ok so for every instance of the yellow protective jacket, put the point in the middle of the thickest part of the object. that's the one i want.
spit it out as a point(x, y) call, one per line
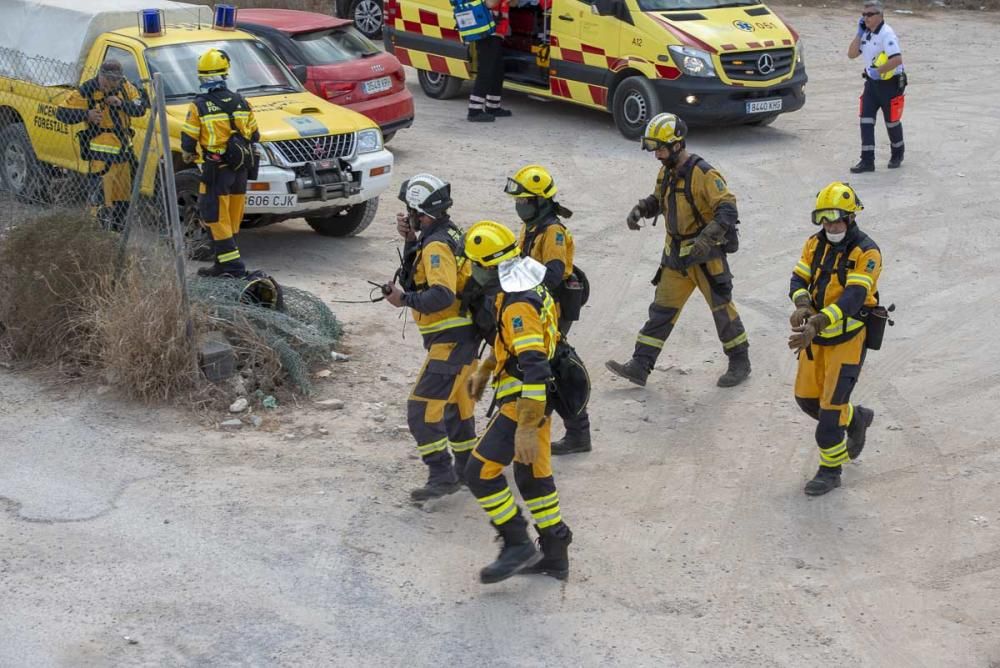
point(527, 334)
point(109, 140)
point(551, 244)
point(433, 275)
point(841, 280)
point(208, 124)
point(712, 201)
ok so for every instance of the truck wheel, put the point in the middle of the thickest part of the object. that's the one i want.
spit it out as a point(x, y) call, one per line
point(197, 238)
point(21, 174)
point(346, 222)
point(367, 16)
point(635, 102)
point(387, 137)
point(439, 86)
point(763, 120)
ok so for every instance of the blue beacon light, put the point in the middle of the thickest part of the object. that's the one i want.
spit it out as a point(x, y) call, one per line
point(151, 22)
point(225, 17)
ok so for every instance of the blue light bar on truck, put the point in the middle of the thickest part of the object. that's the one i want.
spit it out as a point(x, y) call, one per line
point(151, 22)
point(225, 17)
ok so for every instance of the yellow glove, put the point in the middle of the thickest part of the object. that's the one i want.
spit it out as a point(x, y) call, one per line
point(480, 378)
point(530, 417)
point(804, 334)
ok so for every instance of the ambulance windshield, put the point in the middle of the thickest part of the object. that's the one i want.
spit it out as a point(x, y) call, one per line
point(254, 69)
point(687, 5)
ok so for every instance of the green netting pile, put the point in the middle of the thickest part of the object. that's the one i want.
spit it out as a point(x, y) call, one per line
point(302, 335)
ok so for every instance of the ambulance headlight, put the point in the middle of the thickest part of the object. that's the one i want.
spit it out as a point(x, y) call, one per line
point(692, 62)
point(369, 141)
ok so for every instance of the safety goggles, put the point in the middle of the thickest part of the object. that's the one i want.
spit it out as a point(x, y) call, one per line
point(820, 216)
point(870, 14)
point(514, 188)
point(649, 144)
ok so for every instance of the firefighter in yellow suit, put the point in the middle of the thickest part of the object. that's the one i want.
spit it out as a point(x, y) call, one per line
point(214, 115)
point(526, 338)
point(107, 104)
point(545, 237)
point(439, 412)
point(833, 286)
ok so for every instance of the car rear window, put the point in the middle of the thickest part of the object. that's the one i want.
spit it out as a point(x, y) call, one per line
point(334, 46)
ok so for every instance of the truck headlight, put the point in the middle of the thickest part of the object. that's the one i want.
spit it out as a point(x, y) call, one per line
point(369, 141)
point(263, 153)
point(799, 55)
point(693, 62)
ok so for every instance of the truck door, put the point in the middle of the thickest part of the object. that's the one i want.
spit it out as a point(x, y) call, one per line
point(585, 43)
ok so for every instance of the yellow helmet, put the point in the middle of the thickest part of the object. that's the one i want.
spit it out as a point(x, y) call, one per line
point(489, 243)
point(213, 63)
point(835, 202)
point(531, 181)
point(880, 60)
point(663, 130)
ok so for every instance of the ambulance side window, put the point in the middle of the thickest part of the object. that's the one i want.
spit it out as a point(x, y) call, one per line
point(127, 59)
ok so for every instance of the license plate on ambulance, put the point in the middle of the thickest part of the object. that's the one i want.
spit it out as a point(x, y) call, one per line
point(763, 106)
point(272, 201)
point(378, 85)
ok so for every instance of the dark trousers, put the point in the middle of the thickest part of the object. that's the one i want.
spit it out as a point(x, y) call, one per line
point(489, 77)
point(887, 96)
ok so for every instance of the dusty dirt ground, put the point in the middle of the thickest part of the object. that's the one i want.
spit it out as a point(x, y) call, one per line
point(135, 536)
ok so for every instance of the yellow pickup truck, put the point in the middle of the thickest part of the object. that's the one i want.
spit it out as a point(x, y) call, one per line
point(321, 162)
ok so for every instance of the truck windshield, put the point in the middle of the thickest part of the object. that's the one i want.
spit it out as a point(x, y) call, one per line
point(325, 47)
point(254, 68)
point(687, 5)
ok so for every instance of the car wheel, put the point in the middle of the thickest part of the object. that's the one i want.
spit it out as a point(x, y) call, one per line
point(439, 86)
point(367, 16)
point(635, 102)
point(763, 120)
point(347, 222)
point(387, 137)
point(197, 238)
point(21, 174)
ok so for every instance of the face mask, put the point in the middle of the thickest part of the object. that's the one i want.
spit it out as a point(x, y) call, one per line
point(484, 276)
point(836, 238)
point(527, 209)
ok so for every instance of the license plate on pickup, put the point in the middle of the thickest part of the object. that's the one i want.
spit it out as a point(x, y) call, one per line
point(272, 201)
point(762, 106)
point(378, 85)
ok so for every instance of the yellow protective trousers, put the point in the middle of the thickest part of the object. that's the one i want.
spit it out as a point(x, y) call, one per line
point(221, 201)
point(673, 288)
point(440, 412)
point(485, 477)
point(826, 377)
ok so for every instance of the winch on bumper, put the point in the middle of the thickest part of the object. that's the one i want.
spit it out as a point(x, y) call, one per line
point(310, 177)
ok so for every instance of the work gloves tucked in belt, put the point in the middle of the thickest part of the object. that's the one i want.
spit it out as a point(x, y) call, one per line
point(804, 334)
point(530, 418)
point(480, 378)
point(803, 311)
point(710, 237)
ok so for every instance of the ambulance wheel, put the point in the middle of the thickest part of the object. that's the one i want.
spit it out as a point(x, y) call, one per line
point(346, 222)
point(197, 238)
point(763, 120)
point(21, 174)
point(635, 102)
point(367, 16)
point(439, 86)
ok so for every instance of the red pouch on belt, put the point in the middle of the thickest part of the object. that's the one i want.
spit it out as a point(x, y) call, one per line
point(896, 108)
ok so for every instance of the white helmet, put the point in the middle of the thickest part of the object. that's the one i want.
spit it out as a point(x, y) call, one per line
point(427, 194)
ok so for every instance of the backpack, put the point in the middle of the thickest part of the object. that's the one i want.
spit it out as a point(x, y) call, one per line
point(239, 153)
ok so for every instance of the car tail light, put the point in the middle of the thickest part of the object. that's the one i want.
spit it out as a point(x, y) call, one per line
point(334, 89)
point(399, 75)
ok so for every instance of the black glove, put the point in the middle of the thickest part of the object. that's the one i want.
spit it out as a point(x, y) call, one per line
point(633, 218)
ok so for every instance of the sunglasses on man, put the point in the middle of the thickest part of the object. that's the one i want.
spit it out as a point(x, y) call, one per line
point(870, 14)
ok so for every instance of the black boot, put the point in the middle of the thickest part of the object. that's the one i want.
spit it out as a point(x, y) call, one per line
point(863, 418)
point(215, 271)
point(895, 160)
point(633, 371)
point(739, 369)
point(575, 440)
point(827, 479)
point(863, 166)
point(517, 553)
point(555, 553)
point(441, 481)
point(480, 117)
point(461, 460)
point(499, 112)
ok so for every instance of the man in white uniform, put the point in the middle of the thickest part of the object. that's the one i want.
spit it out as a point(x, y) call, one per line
point(885, 82)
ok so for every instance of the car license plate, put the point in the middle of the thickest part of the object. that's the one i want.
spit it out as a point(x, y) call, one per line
point(378, 85)
point(272, 201)
point(761, 106)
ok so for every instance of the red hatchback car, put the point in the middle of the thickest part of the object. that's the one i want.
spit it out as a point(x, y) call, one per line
point(339, 63)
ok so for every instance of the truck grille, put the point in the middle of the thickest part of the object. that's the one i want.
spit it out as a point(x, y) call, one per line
point(327, 147)
point(758, 65)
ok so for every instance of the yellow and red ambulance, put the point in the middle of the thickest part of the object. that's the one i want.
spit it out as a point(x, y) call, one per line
point(712, 62)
